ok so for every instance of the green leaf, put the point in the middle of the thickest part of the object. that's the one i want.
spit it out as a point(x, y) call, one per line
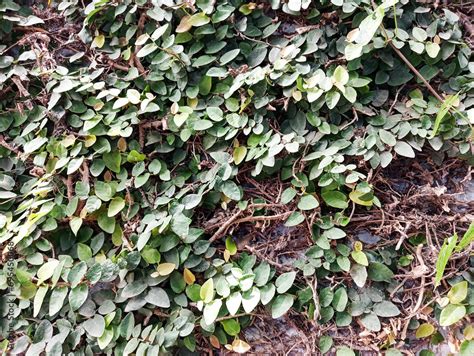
point(353, 51)
point(404, 149)
point(467, 348)
point(104, 340)
point(95, 326)
point(386, 309)
point(231, 326)
point(115, 206)
point(205, 85)
point(46, 271)
point(287, 195)
point(443, 110)
point(334, 233)
point(267, 293)
point(344, 351)
point(294, 219)
point(158, 297)
point(233, 303)
point(34, 144)
point(133, 96)
point(350, 94)
point(133, 289)
point(211, 310)
point(332, 98)
point(141, 180)
point(199, 19)
point(378, 272)
point(335, 199)
point(113, 160)
point(340, 299)
point(232, 190)
point(103, 191)
point(78, 296)
point(38, 301)
point(75, 224)
point(215, 113)
point(467, 239)
point(281, 305)
point(84, 252)
point(77, 272)
point(451, 314)
point(458, 292)
point(119, 103)
point(229, 56)
point(369, 26)
point(325, 344)
point(74, 165)
point(262, 274)
point(360, 258)
point(419, 34)
point(147, 49)
point(294, 5)
point(201, 125)
point(432, 49)
point(285, 281)
point(371, 322)
point(56, 301)
point(443, 257)
point(231, 246)
point(106, 223)
point(341, 76)
point(250, 299)
point(359, 275)
point(64, 86)
point(387, 137)
point(308, 202)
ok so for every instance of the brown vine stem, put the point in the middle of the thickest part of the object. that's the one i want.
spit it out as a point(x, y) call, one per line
point(407, 62)
point(414, 70)
point(9, 146)
point(232, 220)
point(269, 261)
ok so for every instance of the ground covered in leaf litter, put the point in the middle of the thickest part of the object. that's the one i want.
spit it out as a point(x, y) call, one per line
point(422, 203)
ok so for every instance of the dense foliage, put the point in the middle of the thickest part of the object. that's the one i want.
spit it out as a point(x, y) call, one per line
point(133, 133)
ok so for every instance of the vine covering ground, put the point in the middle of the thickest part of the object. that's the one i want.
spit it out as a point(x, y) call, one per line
point(269, 177)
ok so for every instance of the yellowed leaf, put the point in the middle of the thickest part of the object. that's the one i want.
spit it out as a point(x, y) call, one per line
point(469, 332)
point(174, 108)
point(98, 106)
point(207, 291)
point(189, 277)
point(90, 140)
point(98, 41)
point(68, 140)
point(424, 330)
point(185, 25)
point(226, 255)
point(239, 154)
point(355, 197)
point(165, 269)
point(192, 102)
point(240, 346)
